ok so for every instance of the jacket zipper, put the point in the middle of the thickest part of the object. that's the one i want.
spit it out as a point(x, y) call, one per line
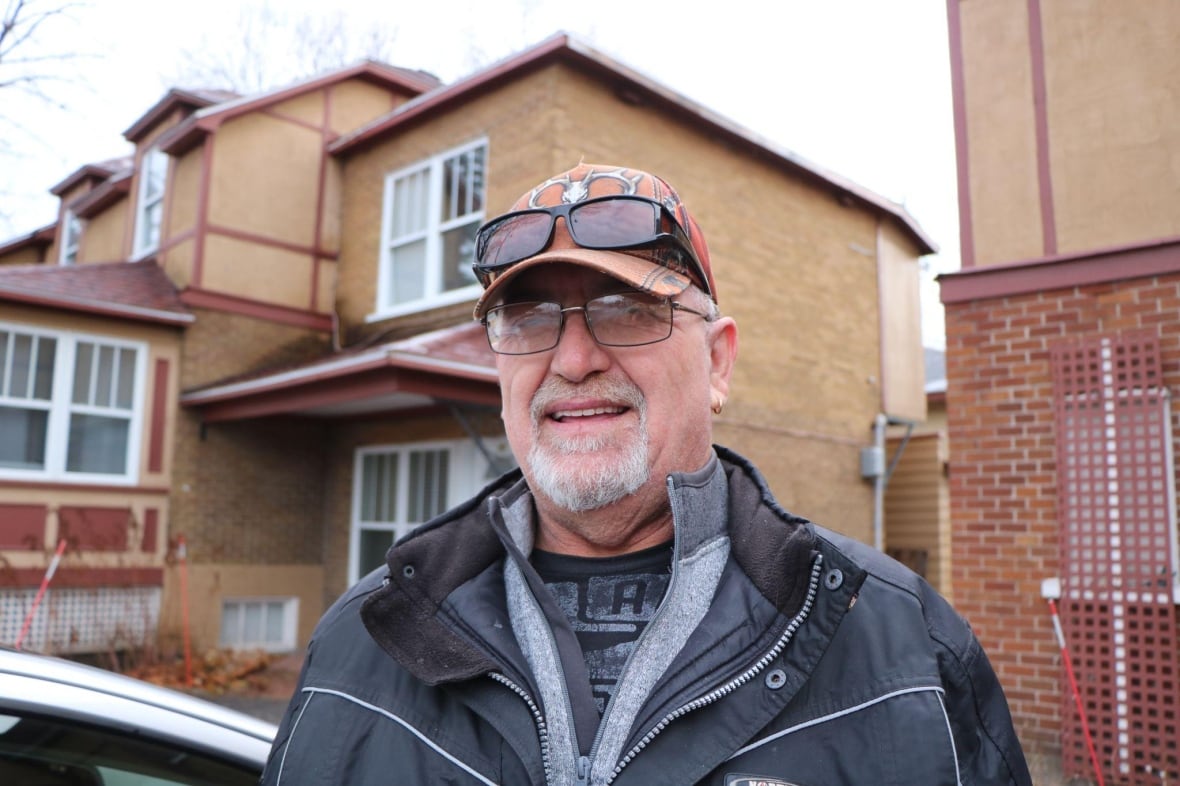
point(538, 718)
point(735, 683)
point(585, 763)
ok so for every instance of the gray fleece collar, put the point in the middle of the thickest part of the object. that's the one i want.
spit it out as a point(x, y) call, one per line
point(700, 503)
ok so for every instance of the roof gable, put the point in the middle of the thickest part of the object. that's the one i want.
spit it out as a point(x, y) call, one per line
point(176, 98)
point(193, 128)
point(97, 172)
point(105, 194)
point(630, 86)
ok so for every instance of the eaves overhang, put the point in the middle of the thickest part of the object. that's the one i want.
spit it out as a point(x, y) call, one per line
point(106, 308)
point(39, 238)
point(102, 196)
point(98, 172)
point(176, 98)
point(633, 87)
point(405, 375)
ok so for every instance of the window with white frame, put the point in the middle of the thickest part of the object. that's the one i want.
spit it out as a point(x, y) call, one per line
point(70, 405)
point(430, 214)
point(259, 623)
point(397, 487)
point(71, 237)
point(149, 208)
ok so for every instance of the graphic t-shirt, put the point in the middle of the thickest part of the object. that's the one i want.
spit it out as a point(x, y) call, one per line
point(608, 601)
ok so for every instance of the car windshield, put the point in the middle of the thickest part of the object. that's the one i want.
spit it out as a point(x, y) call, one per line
point(53, 752)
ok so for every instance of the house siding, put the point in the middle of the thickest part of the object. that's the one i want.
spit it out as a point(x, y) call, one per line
point(265, 178)
point(917, 508)
point(102, 237)
point(1113, 135)
point(188, 172)
point(1103, 171)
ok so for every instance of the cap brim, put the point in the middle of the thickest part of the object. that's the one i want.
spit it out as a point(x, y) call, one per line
point(642, 274)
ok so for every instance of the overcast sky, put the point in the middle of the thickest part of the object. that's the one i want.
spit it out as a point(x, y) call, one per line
point(859, 87)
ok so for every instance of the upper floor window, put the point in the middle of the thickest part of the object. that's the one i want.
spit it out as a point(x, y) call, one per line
point(70, 405)
point(430, 213)
point(149, 207)
point(71, 237)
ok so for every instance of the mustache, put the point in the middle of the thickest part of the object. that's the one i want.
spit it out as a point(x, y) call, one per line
point(615, 390)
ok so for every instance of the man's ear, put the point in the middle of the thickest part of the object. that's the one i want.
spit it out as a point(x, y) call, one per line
point(723, 348)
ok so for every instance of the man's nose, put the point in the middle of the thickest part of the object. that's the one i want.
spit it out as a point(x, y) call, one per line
point(577, 354)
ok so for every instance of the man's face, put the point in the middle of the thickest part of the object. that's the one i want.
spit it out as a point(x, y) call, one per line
point(591, 424)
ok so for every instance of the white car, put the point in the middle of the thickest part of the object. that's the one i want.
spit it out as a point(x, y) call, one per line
point(67, 724)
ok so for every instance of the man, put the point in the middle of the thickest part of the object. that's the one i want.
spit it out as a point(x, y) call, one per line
point(632, 606)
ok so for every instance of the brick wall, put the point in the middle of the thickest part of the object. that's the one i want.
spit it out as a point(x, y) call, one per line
point(220, 345)
point(246, 491)
point(249, 491)
point(1003, 467)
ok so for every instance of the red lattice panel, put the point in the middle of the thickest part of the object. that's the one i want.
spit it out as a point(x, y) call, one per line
point(1117, 526)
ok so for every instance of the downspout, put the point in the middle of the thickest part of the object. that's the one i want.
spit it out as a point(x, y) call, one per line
point(881, 421)
point(879, 480)
point(872, 466)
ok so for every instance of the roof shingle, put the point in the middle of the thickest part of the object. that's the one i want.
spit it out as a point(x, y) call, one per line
point(133, 290)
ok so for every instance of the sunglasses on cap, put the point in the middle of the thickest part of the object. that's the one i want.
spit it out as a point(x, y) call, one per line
point(609, 223)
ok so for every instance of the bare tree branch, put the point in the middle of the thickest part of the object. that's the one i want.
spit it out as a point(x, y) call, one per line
point(269, 47)
point(25, 61)
point(21, 23)
point(30, 65)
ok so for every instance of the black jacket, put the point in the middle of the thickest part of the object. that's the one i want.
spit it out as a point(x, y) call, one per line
point(813, 660)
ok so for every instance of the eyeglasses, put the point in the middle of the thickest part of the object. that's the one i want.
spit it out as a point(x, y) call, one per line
point(608, 223)
point(628, 319)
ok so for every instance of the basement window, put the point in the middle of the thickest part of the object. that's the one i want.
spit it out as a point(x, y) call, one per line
point(259, 623)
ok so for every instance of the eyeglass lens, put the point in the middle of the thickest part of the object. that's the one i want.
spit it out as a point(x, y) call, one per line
point(608, 223)
point(621, 320)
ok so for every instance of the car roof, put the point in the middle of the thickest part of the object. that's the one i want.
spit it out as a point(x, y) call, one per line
point(41, 683)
